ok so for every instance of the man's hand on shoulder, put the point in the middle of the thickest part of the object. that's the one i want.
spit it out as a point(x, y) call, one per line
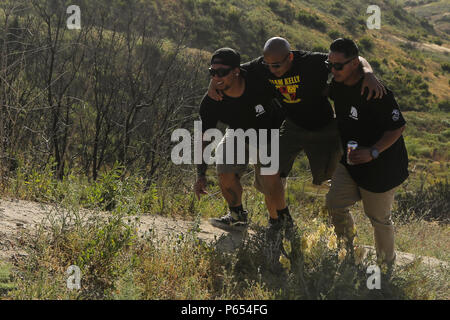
point(376, 88)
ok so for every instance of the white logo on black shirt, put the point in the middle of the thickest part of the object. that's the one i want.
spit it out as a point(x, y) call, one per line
point(259, 110)
point(353, 113)
point(395, 115)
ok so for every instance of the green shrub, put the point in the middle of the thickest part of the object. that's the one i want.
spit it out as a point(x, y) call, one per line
point(334, 34)
point(319, 48)
point(413, 37)
point(354, 25)
point(337, 8)
point(34, 183)
point(6, 279)
point(429, 203)
point(376, 64)
point(437, 41)
point(234, 15)
point(98, 245)
point(311, 20)
point(366, 44)
point(445, 67)
point(444, 105)
point(411, 91)
point(283, 10)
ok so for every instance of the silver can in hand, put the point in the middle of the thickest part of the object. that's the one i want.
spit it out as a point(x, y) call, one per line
point(351, 145)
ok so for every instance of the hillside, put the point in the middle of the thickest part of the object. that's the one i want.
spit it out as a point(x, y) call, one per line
point(409, 53)
point(437, 12)
point(86, 118)
point(311, 25)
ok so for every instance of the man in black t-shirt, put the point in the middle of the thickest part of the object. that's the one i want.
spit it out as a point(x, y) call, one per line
point(247, 104)
point(372, 172)
point(300, 79)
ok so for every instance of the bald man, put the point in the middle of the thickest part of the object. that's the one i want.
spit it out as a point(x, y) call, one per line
point(300, 79)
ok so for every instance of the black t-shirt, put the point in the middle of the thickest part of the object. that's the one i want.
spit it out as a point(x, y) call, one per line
point(365, 122)
point(254, 109)
point(300, 89)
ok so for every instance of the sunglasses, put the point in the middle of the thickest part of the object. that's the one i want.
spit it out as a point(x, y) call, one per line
point(275, 65)
point(220, 72)
point(338, 65)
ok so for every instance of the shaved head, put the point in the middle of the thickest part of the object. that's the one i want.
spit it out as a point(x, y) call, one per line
point(278, 56)
point(277, 46)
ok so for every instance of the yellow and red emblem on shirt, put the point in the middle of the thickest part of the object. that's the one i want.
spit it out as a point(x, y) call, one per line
point(288, 88)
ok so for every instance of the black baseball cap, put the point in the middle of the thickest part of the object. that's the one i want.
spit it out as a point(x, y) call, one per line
point(226, 56)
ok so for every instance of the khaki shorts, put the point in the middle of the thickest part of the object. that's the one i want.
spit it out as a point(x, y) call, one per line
point(322, 148)
point(240, 168)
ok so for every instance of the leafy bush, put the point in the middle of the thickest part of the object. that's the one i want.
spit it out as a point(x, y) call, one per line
point(430, 203)
point(444, 105)
point(98, 245)
point(203, 29)
point(319, 48)
point(282, 9)
point(445, 67)
point(337, 8)
point(354, 24)
point(438, 41)
point(6, 279)
point(234, 15)
point(311, 20)
point(411, 91)
point(334, 34)
point(413, 37)
point(365, 44)
point(376, 65)
point(179, 267)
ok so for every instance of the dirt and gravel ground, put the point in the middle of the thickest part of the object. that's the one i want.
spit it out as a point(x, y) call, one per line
point(19, 216)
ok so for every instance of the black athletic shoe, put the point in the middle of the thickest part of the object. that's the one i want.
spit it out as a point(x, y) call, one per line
point(274, 243)
point(232, 221)
point(287, 224)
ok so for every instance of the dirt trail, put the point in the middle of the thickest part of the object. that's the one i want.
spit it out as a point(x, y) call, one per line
point(17, 216)
point(423, 45)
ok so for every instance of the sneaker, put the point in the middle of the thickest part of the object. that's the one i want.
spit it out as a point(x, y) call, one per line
point(232, 221)
point(274, 230)
point(287, 223)
point(274, 242)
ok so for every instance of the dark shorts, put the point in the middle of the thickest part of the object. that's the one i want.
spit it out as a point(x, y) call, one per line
point(322, 148)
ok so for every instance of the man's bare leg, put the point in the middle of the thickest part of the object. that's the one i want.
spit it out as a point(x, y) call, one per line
point(236, 219)
point(231, 187)
point(275, 198)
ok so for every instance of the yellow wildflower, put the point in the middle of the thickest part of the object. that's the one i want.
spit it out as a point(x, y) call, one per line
point(332, 242)
point(341, 255)
point(312, 240)
point(331, 229)
point(322, 229)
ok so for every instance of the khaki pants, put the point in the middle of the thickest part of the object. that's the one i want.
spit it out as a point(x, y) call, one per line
point(343, 193)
